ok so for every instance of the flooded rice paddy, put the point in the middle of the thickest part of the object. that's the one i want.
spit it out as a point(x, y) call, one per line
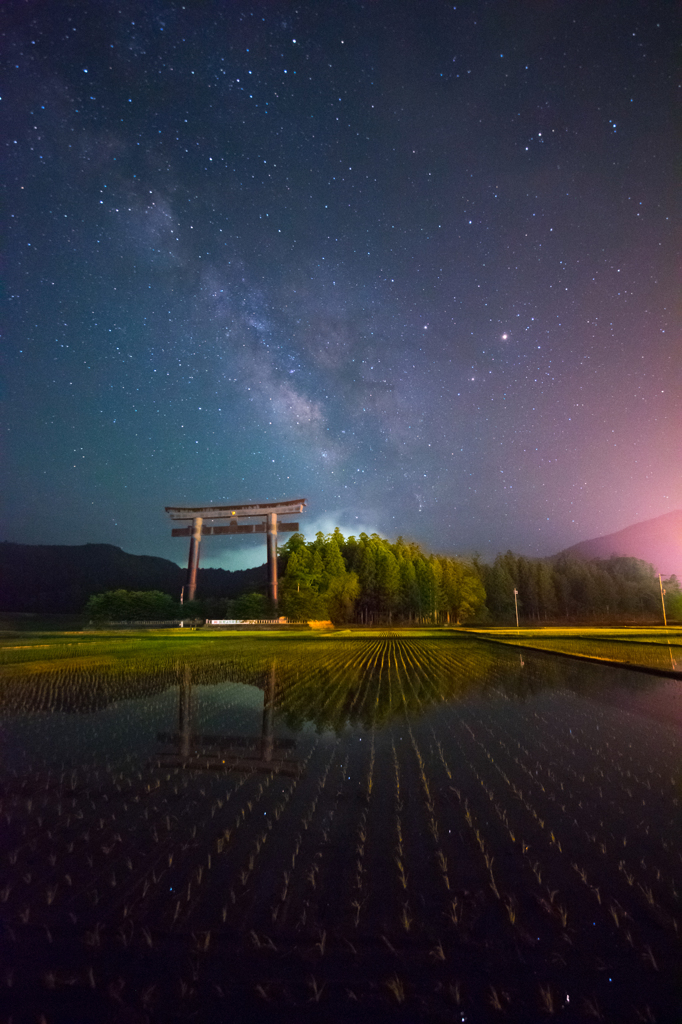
point(659, 650)
point(353, 828)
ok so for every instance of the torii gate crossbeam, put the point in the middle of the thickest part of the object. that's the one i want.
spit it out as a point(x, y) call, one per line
point(266, 516)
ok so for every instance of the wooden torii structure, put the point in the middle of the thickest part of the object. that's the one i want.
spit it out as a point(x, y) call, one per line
point(265, 515)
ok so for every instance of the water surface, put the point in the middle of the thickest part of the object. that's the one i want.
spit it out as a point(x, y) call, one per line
point(353, 828)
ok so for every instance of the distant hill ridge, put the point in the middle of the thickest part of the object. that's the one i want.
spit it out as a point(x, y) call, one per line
point(658, 541)
point(61, 578)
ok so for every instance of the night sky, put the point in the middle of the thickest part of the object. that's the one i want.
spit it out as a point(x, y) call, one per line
point(414, 262)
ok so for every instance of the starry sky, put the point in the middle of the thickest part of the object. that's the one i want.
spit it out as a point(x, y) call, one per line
point(413, 261)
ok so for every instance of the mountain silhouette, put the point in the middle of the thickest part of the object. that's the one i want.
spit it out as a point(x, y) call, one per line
point(658, 541)
point(61, 578)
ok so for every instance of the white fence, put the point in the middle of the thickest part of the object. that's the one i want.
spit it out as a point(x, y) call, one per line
point(247, 622)
point(136, 623)
point(139, 622)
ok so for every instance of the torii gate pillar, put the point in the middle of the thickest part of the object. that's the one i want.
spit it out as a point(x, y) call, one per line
point(193, 563)
point(272, 557)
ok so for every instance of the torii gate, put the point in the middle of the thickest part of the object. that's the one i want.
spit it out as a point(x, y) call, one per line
point(265, 512)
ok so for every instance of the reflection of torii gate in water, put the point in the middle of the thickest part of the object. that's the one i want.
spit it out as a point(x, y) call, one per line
point(228, 753)
point(265, 513)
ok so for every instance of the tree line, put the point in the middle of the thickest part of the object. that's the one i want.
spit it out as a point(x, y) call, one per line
point(566, 587)
point(369, 580)
point(155, 606)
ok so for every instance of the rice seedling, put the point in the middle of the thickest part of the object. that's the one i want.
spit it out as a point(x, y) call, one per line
point(321, 943)
point(406, 918)
point(648, 893)
point(591, 1009)
point(547, 1000)
point(498, 1000)
point(510, 907)
point(317, 990)
point(455, 911)
point(649, 957)
point(396, 988)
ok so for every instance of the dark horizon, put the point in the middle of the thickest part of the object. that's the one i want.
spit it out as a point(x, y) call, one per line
point(657, 541)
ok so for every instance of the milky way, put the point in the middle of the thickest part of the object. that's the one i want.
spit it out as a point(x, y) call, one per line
point(413, 261)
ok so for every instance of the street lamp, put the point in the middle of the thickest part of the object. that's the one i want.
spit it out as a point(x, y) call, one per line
point(660, 583)
point(516, 606)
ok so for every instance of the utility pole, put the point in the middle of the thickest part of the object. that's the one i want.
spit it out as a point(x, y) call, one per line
point(660, 583)
point(516, 607)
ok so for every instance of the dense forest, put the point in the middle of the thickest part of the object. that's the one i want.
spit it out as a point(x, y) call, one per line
point(370, 580)
point(567, 587)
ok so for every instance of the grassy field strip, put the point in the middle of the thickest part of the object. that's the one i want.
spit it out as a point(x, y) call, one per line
point(671, 672)
point(538, 637)
point(171, 643)
point(72, 643)
point(655, 655)
point(578, 631)
point(590, 642)
point(587, 643)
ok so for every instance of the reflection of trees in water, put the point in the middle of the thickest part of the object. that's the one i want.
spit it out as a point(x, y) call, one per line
point(372, 683)
point(363, 681)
